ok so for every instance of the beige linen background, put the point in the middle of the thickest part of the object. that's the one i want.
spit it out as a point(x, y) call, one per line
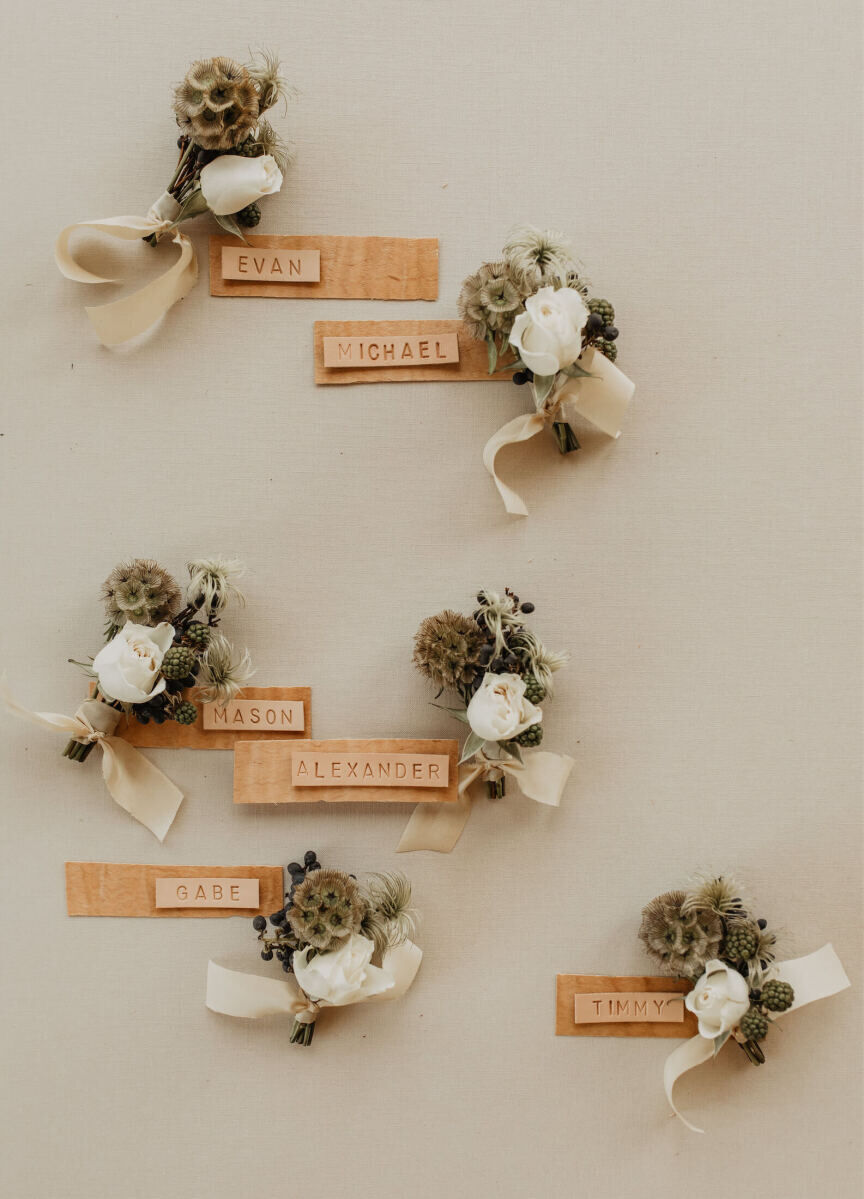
point(702, 571)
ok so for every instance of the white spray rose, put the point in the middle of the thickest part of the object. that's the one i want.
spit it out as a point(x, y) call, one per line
point(719, 999)
point(548, 334)
point(128, 665)
point(499, 711)
point(343, 975)
point(230, 182)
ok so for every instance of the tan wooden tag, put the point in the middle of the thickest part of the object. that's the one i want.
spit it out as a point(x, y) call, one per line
point(125, 889)
point(346, 771)
point(350, 268)
point(403, 350)
point(469, 364)
point(257, 712)
point(592, 1005)
point(271, 266)
point(217, 892)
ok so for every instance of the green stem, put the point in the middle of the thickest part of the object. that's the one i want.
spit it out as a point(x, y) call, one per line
point(565, 437)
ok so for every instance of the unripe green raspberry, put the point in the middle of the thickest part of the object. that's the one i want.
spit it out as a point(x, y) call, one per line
point(753, 1026)
point(531, 737)
point(608, 348)
point(185, 713)
point(741, 942)
point(535, 692)
point(777, 996)
point(249, 149)
point(603, 308)
point(248, 216)
point(178, 662)
point(198, 634)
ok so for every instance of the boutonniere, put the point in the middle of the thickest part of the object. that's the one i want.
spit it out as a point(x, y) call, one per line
point(541, 325)
point(163, 656)
point(338, 940)
point(230, 157)
point(501, 675)
point(708, 936)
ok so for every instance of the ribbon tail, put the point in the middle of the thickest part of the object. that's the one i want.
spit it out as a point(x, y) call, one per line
point(436, 826)
point(816, 976)
point(251, 996)
point(522, 428)
point(138, 786)
point(543, 776)
point(686, 1057)
point(133, 315)
point(601, 399)
point(56, 721)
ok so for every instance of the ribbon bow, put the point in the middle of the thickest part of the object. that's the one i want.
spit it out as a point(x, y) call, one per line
point(540, 776)
point(134, 314)
point(813, 977)
point(601, 397)
point(132, 781)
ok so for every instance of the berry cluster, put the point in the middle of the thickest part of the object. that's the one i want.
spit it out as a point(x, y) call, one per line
point(283, 943)
point(181, 665)
point(600, 330)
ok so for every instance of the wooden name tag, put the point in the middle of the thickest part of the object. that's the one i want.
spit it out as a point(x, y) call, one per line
point(271, 266)
point(257, 712)
point(590, 1005)
point(345, 771)
point(120, 889)
point(207, 893)
point(467, 359)
point(348, 268)
point(403, 351)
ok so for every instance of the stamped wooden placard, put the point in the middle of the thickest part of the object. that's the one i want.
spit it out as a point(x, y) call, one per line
point(449, 352)
point(325, 267)
point(256, 712)
point(346, 771)
point(593, 1005)
point(121, 889)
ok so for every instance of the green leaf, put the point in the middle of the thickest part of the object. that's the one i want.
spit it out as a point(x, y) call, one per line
point(543, 385)
point(511, 748)
point(720, 1041)
point(493, 352)
point(459, 713)
point(576, 372)
point(230, 226)
point(472, 744)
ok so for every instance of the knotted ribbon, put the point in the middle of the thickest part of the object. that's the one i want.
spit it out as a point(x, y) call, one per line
point(132, 781)
point(254, 996)
point(601, 399)
point(813, 977)
point(540, 776)
point(134, 314)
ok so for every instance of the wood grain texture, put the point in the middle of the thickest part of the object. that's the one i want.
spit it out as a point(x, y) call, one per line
point(352, 268)
point(262, 773)
point(473, 364)
point(172, 735)
point(571, 985)
point(121, 889)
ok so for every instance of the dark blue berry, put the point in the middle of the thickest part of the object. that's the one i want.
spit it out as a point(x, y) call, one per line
point(259, 923)
point(267, 955)
point(278, 918)
point(520, 378)
point(610, 332)
point(309, 857)
point(762, 923)
point(527, 608)
point(594, 323)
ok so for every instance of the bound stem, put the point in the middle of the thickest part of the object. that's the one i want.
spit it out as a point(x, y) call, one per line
point(565, 437)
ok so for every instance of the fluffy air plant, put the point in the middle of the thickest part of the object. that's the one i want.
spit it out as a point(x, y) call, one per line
point(327, 906)
point(447, 649)
point(211, 583)
point(538, 258)
point(217, 104)
point(140, 591)
point(489, 300)
point(390, 919)
point(541, 662)
point(268, 141)
point(681, 941)
point(224, 671)
point(719, 894)
point(266, 72)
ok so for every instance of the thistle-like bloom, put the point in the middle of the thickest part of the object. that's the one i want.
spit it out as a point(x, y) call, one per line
point(390, 919)
point(217, 104)
point(489, 300)
point(447, 649)
point(538, 258)
point(682, 942)
point(211, 583)
point(224, 671)
point(327, 906)
point(140, 591)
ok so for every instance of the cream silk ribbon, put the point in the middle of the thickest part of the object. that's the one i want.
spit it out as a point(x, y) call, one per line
point(253, 996)
point(601, 399)
point(133, 781)
point(540, 776)
point(813, 977)
point(135, 314)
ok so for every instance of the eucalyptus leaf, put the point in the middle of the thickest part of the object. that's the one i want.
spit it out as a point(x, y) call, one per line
point(471, 746)
point(543, 385)
point(576, 372)
point(720, 1041)
point(511, 748)
point(459, 713)
point(230, 226)
point(493, 353)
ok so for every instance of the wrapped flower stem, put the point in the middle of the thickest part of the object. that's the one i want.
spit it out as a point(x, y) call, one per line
point(565, 437)
point(302, 1034)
